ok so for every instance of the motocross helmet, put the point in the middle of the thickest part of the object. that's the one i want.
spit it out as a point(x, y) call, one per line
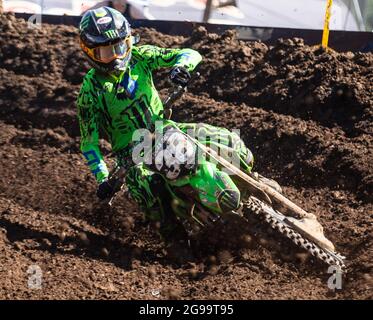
point(105, 37)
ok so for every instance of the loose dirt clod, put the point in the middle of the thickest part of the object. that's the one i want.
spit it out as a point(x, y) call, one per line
point(246, 240)
point(302, 257)
point(225, 256)
point(193, 273)
point(212, 260)
point(83, 238)
point(172, 293)
point(213, 270)
point(62, 236)
point(152, 272)
point(105, 252)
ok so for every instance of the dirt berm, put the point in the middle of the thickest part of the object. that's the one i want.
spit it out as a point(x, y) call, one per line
point(305, 113)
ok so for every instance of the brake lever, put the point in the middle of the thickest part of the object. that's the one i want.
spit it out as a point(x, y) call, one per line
point(176, 93)
point(118, 175)
point(110, 202)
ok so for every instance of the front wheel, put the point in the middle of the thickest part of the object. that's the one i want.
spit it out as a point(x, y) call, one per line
point(279, 222)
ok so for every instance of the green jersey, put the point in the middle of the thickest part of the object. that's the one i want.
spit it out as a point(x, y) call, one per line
point(121, 105)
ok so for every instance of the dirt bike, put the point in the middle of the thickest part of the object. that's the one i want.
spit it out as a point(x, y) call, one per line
point(258, 199)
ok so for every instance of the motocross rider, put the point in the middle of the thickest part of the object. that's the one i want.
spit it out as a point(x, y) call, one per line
point(118, 95)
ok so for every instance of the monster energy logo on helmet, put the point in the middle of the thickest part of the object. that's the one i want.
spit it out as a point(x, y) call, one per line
point(103, 27)
point(84, 23)
point(112, 34)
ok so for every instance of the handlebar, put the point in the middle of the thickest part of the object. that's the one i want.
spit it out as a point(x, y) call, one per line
point(175, 95)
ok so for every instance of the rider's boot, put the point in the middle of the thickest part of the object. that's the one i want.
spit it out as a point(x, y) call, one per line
point(170, 228)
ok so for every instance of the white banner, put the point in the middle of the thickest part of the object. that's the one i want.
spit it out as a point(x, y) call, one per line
point(58, 7)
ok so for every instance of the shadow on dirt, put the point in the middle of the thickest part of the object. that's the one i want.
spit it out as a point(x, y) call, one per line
point(223, 247)
point(84, 244)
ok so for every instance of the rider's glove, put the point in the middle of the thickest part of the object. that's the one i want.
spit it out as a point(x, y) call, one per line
point(107, 189)
point(180, 76)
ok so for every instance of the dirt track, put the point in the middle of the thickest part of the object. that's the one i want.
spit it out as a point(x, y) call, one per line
point(305, 113)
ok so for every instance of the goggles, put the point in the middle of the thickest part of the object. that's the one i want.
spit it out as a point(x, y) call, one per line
point(106, 54)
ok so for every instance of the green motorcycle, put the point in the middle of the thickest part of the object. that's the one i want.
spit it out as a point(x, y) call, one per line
point(206, 187)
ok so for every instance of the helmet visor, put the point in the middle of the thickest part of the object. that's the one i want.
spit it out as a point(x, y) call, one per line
point(106, 54)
